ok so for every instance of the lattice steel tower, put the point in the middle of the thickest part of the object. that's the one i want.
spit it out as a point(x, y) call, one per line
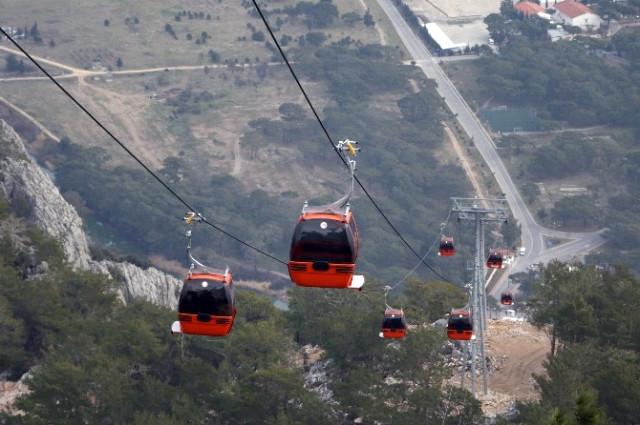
point(479, 211)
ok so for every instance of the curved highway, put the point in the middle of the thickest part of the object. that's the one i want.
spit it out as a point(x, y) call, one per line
point(533, 234)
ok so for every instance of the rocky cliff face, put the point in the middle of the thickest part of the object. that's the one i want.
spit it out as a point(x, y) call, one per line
point(150, 284)
point(29, 188)
point(24, 183)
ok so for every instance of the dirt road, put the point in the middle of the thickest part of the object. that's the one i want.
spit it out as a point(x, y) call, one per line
point(516, 351)
point(82, 74)
point(519, 350)
point(465, 161)
point(35, 122)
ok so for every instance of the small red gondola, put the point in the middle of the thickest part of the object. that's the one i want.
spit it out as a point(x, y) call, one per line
point(495, 259)
point(460, 325)
point(393, 325)
point(206, 305)
point(324, 249)
point(506, 298)
point(447, 249)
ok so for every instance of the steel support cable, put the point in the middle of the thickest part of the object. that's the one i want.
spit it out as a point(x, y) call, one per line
point(131, 154)
point(331, 142)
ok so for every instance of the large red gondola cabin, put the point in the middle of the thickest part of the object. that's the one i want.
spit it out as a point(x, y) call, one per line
point(324, 249)
point(495, 259)
point(447, 249)
point(460, 325)
point(206, 305)
point(506, 298)
point(393, 325)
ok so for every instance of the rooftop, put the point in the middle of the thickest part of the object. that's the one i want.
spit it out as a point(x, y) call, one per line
point(572, 8)
point(441, 38)
point(528, 8)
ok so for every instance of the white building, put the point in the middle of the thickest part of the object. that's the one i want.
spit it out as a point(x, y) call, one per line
point(571, 12)
point(442, 39)
point(556, 34)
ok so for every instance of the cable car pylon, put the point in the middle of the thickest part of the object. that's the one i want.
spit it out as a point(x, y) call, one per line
point(479, 211)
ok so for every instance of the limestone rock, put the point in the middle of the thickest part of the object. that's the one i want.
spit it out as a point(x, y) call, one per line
point(150, 284)
point(24, 183)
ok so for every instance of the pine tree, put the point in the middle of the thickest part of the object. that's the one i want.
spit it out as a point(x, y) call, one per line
point(559, 418)
point(587, 410)
point(368, 19)
point(34, 32)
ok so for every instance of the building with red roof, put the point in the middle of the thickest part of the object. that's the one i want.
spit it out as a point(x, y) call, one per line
point(528, 8)
point(571, 12)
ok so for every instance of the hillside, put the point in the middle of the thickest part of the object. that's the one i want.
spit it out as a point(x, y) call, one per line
point(235, 136)
point(84, 317)
point(84, 347)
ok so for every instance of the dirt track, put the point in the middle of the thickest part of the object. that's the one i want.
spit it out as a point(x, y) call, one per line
point(35, 122)
point(82, 74)
point(519, 350)
point(516, 351)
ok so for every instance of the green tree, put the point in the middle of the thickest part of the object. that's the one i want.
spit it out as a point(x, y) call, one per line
point(351, 18)
point(576, 211)
point(315, 38)
point(13, 64)
point(13, 357)
point(507, 10)
point(558, 302)
point(368, 19)
point(214, 57)
point(587, 410)
point(292, 112)
point(498, 27)
point(258, 36)
point(431, 300)
point(34, 32)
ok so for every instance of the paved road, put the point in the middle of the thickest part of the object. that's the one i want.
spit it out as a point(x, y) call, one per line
point(532, 233)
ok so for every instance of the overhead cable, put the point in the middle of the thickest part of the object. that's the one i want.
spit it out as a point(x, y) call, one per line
point(333, 146)
point(113, 137)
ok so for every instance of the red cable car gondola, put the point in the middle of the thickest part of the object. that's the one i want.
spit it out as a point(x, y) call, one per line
point(447, 249)
point(207, 302)
point(206, 305)
point(393, 325)
point(495, 259)
point(506, 298)
point(460, 325)
point(324, 249)
point(325, 242)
